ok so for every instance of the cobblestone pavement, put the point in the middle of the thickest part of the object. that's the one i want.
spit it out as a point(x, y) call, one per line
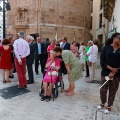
point(81, 106)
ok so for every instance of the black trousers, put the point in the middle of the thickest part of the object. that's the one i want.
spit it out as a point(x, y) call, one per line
point(45, 58)
point(112, 86)
point(42, 63)
point(63, 68)
point(87, 69)
point(30, 72)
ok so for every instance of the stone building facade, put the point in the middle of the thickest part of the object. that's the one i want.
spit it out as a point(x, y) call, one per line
point(51, 18)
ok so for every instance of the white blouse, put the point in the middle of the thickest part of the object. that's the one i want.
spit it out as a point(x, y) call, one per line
point(93, 53)
point(81, 50)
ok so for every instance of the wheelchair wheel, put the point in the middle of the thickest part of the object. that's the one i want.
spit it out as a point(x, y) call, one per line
point(41, 92)
point(62, 86)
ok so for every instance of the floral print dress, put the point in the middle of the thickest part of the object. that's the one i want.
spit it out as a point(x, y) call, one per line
point(75, 65)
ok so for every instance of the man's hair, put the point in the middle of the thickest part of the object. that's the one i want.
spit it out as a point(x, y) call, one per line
point(47, 39)
point(38, 38)
point(21, 34)
point(58, 49)
point(64, 38)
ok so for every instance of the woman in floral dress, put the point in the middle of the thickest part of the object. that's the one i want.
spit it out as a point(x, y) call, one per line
point(73, 67)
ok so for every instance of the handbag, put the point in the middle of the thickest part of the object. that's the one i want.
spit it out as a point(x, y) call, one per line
point(54, 73)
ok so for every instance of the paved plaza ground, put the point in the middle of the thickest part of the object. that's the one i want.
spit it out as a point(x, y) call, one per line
point(27, 105)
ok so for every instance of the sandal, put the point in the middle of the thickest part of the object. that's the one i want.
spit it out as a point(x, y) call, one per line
point(4, 81)
point(100, 106)
point(90, 81)
point(11, 76)
point(108, 109)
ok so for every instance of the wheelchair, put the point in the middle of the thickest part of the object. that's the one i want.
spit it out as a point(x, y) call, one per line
point(58, 85)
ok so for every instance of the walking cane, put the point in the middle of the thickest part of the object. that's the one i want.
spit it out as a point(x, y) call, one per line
point(51, 83)
point(107, 79)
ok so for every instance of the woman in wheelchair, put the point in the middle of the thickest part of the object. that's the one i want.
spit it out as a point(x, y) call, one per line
point(52, 66)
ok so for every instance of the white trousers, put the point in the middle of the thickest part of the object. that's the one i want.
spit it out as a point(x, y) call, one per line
point(92, 71)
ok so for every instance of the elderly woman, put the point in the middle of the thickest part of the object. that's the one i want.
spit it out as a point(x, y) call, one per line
point(92, 55)
point(52, 66)
point(110, 63)
point(73, 67)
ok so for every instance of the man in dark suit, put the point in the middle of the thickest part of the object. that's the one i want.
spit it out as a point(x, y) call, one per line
point(39, 55)
point(30, 59)
point(65, 46)
point(46, 44)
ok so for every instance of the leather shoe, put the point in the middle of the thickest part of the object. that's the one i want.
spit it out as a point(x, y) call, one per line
point(29, 82)
point(25, 86)
point(37, 73)
point(14, 71)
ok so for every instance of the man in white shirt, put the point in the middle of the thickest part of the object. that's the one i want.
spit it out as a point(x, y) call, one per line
point(21, 50)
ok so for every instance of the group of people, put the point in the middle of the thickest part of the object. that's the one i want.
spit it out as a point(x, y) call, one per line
point(58, 54)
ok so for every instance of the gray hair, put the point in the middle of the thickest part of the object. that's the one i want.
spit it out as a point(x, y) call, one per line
point(21, 34)
point(90, 41)
point(52, 52)
point(38, 38)
point(30, 38)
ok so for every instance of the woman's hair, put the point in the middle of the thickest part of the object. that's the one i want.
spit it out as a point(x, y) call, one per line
point(95, 42)
point(52, 41)
point(110, 40)
point(5, 41)
point(58, 49)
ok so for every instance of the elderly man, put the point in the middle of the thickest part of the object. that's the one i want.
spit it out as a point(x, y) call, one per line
point(39, 55)
point(65, 45)
point(21, 50)
point(30, 59)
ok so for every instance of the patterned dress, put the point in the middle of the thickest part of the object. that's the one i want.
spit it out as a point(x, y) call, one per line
point(75, 65)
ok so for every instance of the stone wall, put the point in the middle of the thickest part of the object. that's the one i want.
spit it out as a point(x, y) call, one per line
point(70, 18)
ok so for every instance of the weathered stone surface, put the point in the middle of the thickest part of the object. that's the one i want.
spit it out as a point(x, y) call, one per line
point(68, 16)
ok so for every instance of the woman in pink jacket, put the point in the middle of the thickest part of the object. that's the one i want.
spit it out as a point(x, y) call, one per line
point(52, 66)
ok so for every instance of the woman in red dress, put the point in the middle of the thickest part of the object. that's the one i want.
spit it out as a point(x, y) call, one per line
point(5, 59)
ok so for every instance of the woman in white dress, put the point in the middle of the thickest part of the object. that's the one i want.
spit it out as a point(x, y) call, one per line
point(82, 56)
